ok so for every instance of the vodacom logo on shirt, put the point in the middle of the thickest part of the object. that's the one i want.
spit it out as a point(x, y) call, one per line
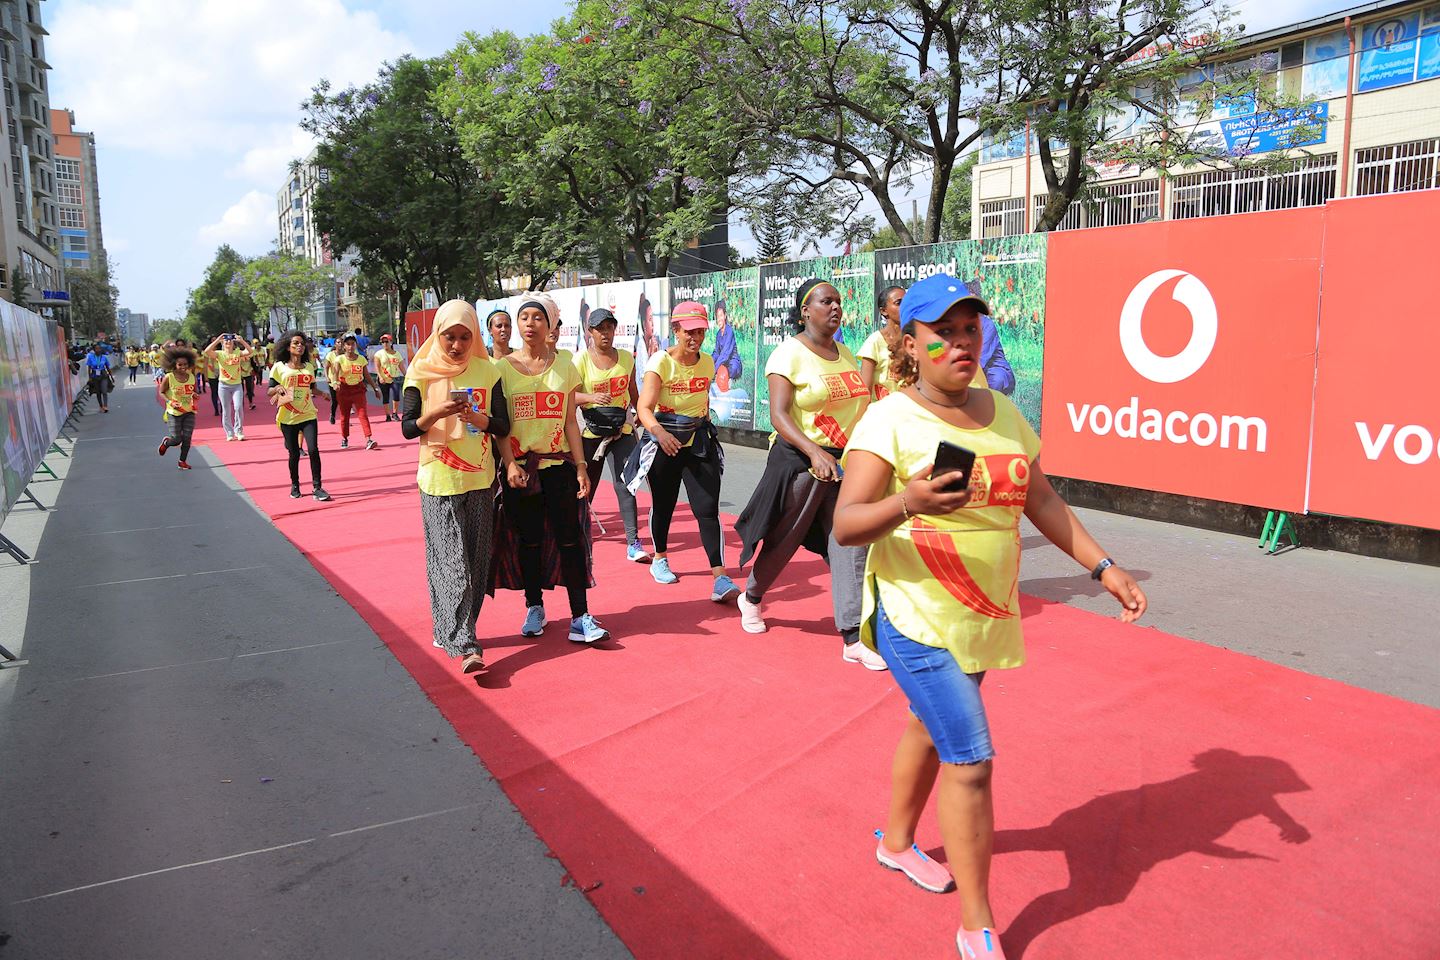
point(1163, 423)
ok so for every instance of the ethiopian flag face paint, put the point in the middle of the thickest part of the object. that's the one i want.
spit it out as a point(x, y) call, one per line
point(936, 350)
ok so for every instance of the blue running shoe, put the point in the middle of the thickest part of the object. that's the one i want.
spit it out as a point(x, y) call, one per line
point(724, 589)
point(660, 570)
point(636, 553)
point(586, 629)
point(534, 622)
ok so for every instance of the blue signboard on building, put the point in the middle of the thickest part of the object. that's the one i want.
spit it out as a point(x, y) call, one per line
point(1387, 57)
point(1278, 130)
point(1429, 56)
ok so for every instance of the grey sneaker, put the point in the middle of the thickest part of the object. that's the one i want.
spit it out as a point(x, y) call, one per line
point(586, 629)
point(534, 622)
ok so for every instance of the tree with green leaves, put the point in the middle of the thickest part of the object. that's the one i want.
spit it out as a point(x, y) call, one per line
point(887, 96)
point(93, 301)
point(163, 330)
point(283, 285)
point(612, 131)
point(398, 187)
point(220, 305)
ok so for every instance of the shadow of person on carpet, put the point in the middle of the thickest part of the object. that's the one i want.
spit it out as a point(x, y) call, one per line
point(549, 646)
point(1065, 589)
point(1113, 840)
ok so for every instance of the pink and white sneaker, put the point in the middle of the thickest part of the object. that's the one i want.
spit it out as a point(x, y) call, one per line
point(981, 944)
point(922, 871)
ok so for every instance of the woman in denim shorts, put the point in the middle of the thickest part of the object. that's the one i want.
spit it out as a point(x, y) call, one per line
point(941, 598)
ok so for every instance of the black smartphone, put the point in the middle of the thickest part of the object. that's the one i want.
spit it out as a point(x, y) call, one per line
point(953, 458)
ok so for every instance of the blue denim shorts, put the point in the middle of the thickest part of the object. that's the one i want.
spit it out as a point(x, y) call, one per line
point(943, 697)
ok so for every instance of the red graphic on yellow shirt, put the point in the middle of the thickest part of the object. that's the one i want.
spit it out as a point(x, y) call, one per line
point(515, 450)
point(845, 386)
point(456, 462)
point(937, 551)
point(548, 404)
point(689, 386)
point(829, 426)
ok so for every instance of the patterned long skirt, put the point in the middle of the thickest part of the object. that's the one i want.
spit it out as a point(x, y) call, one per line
point(458, 546)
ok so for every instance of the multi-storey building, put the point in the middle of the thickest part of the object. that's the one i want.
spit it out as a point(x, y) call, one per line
point(1370, 81)
point(30, 236)
point(297, 235)
point(133, 327)
point(77, 191)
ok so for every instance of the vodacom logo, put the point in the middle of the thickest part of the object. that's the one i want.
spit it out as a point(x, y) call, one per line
point(1190, 293)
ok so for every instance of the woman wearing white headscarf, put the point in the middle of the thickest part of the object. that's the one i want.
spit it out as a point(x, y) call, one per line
point(454, 403)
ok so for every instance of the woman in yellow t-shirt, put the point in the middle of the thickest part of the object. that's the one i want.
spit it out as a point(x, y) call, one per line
point(390, 373)
point(500, 326)
point(292, 391)
point(816, 399)
point(606, 396)
point(681, 446)
point(229, 356)
point(875, 353)
point(178, 388)
point(546, 481)
point(941, 583)
point(352, 379)
point(457, 470)
point(132, 362)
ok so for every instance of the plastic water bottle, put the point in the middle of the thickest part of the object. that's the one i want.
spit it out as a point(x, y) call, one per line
point(473, 430)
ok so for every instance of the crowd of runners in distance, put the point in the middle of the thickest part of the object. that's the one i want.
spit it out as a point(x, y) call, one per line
point(901, 468)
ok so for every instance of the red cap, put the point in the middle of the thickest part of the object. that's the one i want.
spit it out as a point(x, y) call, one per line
point(690, 315)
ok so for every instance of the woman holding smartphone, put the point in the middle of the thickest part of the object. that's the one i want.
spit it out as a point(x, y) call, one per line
point(942, 580)
point(454, 403)
point(816, 399)
point(547, 483)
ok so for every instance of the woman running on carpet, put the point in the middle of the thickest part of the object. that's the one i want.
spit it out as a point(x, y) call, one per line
point(352, 379)
point(178, 387)
point(292, 390)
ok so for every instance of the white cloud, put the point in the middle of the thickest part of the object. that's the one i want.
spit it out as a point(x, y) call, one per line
point(249, 224)
point(181, 77)
point(268, 161)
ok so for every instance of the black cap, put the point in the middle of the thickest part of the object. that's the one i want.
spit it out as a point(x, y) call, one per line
point(598, 316)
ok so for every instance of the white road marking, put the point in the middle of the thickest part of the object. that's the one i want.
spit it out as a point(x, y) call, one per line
point(153, 873)
point(172, 576)
point(196, 663)
point(391, 823)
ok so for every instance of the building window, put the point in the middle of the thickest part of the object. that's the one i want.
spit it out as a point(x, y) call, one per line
point(1398, 167)
point(1309, 182)
point(67, 169)
point(1112, 205)
point(72, 218)
point(68, 192)
point(76, 244)
point(1002, 218)
point(4, 276)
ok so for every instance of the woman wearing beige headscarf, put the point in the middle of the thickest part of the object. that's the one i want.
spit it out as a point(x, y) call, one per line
point(454, 404)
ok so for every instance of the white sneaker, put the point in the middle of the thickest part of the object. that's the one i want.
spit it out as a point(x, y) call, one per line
point(228, 439)
point(239, 436)
point(857, 652)
point(750, 619)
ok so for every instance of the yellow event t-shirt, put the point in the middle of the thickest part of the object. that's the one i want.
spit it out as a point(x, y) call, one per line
point(233, 365)
point(614, 381)
point(537, 408)
point(387, 366)
point(202, 365)
point(132, 359)
point(301, 408)
point(349, 372)
point(179, 394)
point(467, 463)
point(829, 396)
point(877, 351)
point(952, 581)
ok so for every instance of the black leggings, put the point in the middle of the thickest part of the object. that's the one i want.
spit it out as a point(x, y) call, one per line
point(702, 485)
point(182, 428)
point(292, 432)
point(557, 500)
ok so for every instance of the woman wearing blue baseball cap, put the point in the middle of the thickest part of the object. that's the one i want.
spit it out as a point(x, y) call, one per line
point(937, 476)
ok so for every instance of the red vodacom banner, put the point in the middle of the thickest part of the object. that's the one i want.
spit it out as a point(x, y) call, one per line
point(1377, 402)
point(1180, 356)
point(417, 328)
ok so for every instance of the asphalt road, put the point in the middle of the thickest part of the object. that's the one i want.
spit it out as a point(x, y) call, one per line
point(211, 755)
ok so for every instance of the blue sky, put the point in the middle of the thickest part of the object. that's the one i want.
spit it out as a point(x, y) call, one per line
point(194, 105)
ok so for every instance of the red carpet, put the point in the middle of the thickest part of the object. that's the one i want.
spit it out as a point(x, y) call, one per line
point(714, 792)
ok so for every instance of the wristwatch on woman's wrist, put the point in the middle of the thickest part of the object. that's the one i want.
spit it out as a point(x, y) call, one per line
point(1100, 568)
